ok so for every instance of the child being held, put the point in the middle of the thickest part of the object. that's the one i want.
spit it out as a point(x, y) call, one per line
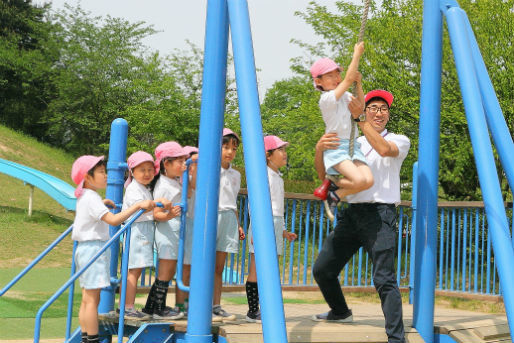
point(356, 175)
point(91, 231)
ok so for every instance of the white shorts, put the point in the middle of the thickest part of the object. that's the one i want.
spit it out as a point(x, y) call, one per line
point(227, 237)
point(98, 274)
point(278, 224)
point(141, 245)
point(188, 248)
point(166, 239)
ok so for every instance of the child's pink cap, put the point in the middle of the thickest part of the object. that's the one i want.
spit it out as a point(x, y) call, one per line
point(134, 160)
point(190, 149)
point(80, 167)
point(323, 66)
point(380, 93)
point(273, 142)
point(167, 149)
point(227, 132)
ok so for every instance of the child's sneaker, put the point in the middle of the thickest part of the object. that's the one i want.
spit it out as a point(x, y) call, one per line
point(134, 314)
point(253, 317)
point(334, 318)
point(167, 314)
point(219, 314)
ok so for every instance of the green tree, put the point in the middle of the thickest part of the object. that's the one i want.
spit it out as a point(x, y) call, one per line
point(99, 61)
point(26, 59)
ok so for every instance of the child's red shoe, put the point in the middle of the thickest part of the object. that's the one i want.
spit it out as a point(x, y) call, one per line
point(322, 191)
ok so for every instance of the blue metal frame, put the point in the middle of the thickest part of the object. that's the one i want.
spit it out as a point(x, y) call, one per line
point(115, 179)
point(208, 173)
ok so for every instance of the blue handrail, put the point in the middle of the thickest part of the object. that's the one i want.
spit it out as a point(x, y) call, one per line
point(71, 280)
point(36, 260)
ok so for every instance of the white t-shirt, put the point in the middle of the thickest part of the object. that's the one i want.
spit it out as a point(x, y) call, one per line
point(230, 182)
point(386, 171)
point(136, 192)
point(168, 188)
point(88, 224)
point(336, 115)
point(276, 189)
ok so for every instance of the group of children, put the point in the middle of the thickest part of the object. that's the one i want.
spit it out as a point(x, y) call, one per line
point(159, 180)
point(151, 180)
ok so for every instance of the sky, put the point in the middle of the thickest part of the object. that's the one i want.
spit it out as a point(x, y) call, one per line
point(273, 25)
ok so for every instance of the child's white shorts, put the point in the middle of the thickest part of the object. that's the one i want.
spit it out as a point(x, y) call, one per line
point(141, 245)
point(98, 274)
point(166, 239)
point(278, 224)
point(188, 249)
point(227, 238)
point(332, 157)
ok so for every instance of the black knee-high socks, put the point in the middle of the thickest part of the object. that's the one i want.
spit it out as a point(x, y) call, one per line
point(161, 291)
point(252, 295)
point(150, 301)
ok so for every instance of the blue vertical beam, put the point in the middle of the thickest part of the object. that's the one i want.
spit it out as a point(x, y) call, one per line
point(428, 159)
point(413, 230)
point(484, 159)
point(272, 309)
point(208, 173)
point(115, 173)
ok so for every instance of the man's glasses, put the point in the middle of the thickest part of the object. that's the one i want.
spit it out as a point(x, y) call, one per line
point(376, 109)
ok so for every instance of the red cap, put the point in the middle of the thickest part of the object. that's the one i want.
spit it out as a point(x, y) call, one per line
point(134, 160)
point(227, 132)
point(380, 93)
point(167, 149)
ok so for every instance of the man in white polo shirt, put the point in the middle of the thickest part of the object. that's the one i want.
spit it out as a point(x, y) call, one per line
point(370, 219)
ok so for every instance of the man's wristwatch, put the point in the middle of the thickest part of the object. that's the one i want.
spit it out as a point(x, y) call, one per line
point(360, 118)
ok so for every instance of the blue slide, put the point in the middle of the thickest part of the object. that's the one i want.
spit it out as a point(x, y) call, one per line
point(61, 191)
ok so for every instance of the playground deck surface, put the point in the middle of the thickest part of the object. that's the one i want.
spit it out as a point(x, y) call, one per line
point(368, 326)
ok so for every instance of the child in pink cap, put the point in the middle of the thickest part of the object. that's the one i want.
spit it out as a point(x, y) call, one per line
point(137, 188)
point(276, 157)
point(229, 231)
point(91, 231)
point(170, 161)
point(334, 103)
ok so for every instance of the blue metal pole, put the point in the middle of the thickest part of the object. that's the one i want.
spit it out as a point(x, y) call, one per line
point(464, 244)
point(208, 173)
point(115, 172)
point(272, 309)
point(182, 237)
point(306, 242)
point(441, 249)
point(430, 117)
point(413, 231)
point(494, 115)
point(36, 260)
point(495, 209)
point(71, 294)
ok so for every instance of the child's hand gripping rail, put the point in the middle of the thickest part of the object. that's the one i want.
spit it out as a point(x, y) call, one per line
point(183, 212)
point(75, 276)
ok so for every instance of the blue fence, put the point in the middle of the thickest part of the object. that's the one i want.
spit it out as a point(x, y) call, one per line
point(465, 257)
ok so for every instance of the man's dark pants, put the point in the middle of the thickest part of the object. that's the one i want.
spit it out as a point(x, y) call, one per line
point(371, 226)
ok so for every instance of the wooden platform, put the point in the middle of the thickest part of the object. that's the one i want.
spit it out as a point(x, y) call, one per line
point(368, 326)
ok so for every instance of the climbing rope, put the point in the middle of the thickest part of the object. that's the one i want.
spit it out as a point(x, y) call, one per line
point(354, 91)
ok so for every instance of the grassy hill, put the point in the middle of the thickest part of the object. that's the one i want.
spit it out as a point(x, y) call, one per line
point(22, 237)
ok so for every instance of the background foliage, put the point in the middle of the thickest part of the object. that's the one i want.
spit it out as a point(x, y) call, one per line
point(65, 75)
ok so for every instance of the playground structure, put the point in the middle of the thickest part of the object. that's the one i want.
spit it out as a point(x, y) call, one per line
point(478, 95)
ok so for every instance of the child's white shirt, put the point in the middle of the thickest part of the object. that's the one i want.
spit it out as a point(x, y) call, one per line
point(230, 182)
point(168, 188)
point(88, 224)
point(134, 193)
point(276, 189)
point(336, 115)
